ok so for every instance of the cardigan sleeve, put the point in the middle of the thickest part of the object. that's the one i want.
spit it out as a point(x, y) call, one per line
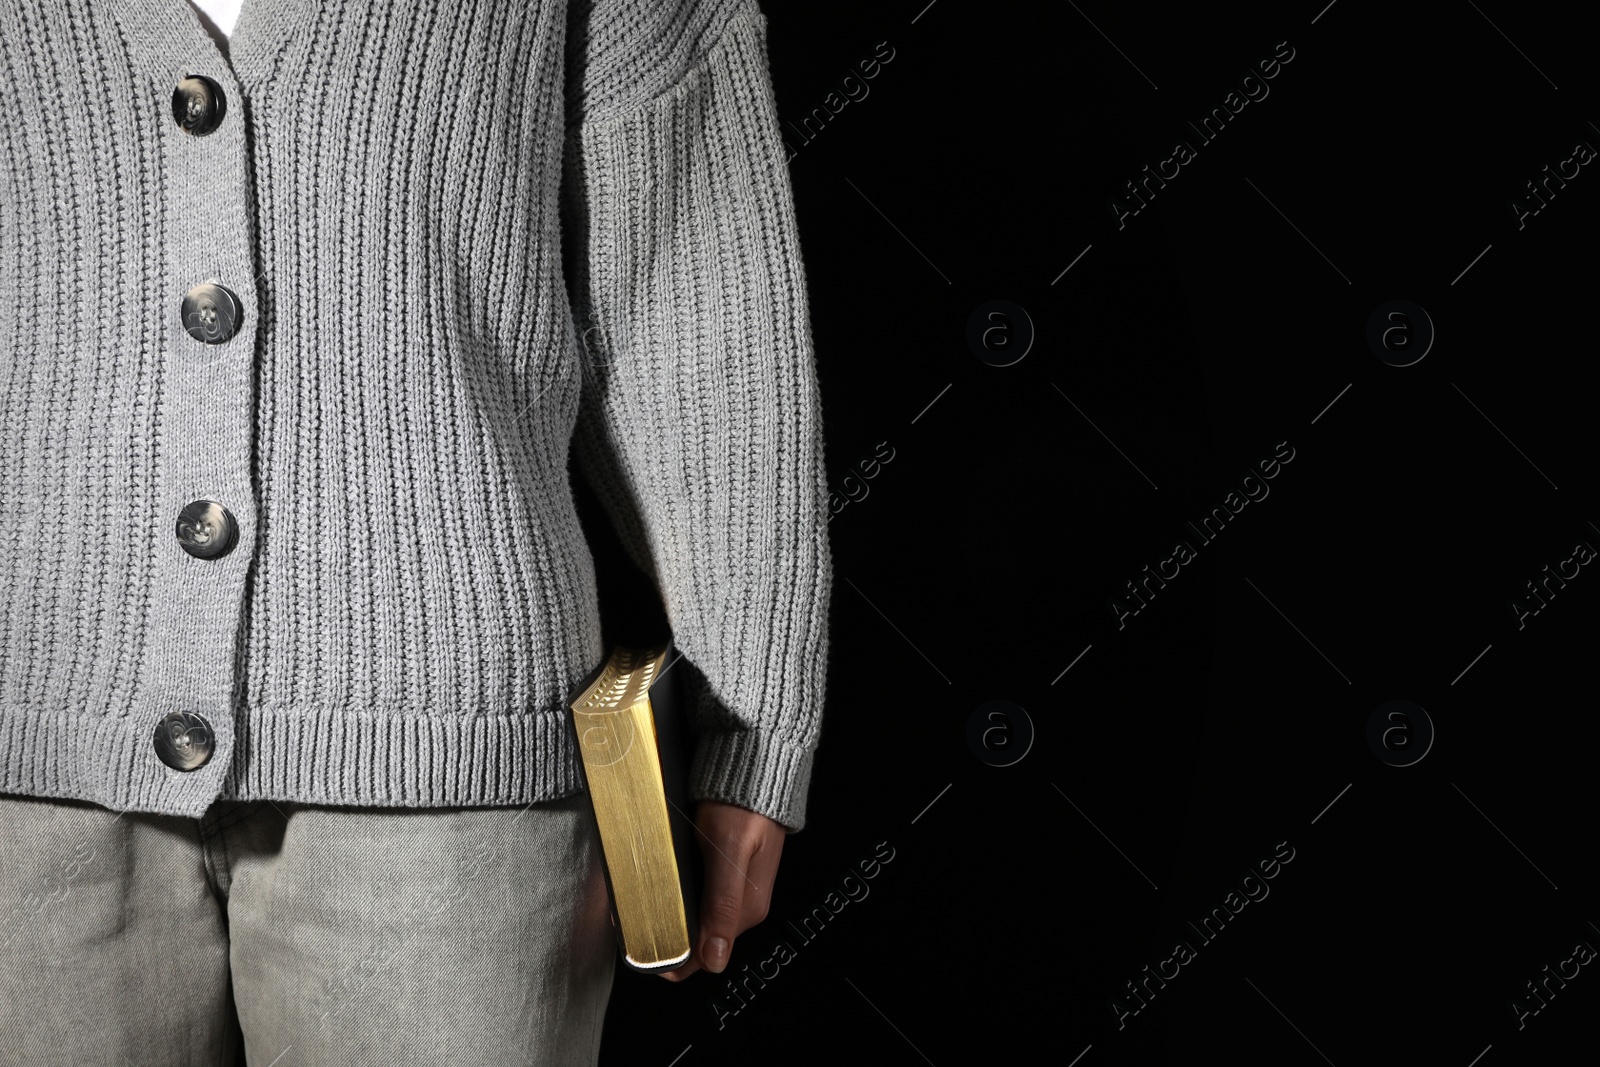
point(699, 423)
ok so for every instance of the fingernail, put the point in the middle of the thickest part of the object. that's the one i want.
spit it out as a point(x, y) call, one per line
point(716, 955)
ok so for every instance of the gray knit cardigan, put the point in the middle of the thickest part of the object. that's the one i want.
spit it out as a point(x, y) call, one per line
point(469, 239)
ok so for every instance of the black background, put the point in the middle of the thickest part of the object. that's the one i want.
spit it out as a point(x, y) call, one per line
point(1230, 714)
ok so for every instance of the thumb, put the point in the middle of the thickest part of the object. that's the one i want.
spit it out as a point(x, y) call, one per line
point(722, 903)
point(722, 899)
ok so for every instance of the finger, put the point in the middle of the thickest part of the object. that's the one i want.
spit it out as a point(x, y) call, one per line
point(721, 908)
point(684, 969)
point(729, 839)
point(681, 972)
point(761, 875)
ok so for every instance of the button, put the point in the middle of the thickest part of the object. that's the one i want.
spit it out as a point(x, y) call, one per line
point(184, 741)
point(207, 530)
point(198, 105)
point(211, 313)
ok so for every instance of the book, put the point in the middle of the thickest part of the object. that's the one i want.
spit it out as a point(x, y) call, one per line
point(629, 721)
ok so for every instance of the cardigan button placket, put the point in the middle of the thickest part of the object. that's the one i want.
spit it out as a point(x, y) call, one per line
point(208, 397)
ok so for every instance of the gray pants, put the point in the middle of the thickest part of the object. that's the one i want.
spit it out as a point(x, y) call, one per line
point(301, 935)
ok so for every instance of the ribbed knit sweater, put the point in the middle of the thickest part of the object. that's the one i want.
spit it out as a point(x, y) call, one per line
point(468, 240)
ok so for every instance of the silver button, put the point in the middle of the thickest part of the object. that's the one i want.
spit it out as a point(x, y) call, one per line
point(212, 313)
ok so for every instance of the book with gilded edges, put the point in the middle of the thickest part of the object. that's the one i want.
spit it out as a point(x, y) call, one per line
point(629, 720)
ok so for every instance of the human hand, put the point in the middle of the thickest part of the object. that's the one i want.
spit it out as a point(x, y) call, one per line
point(741, 850)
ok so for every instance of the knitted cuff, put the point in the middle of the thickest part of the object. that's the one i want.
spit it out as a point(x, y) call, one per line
point(756, 769)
